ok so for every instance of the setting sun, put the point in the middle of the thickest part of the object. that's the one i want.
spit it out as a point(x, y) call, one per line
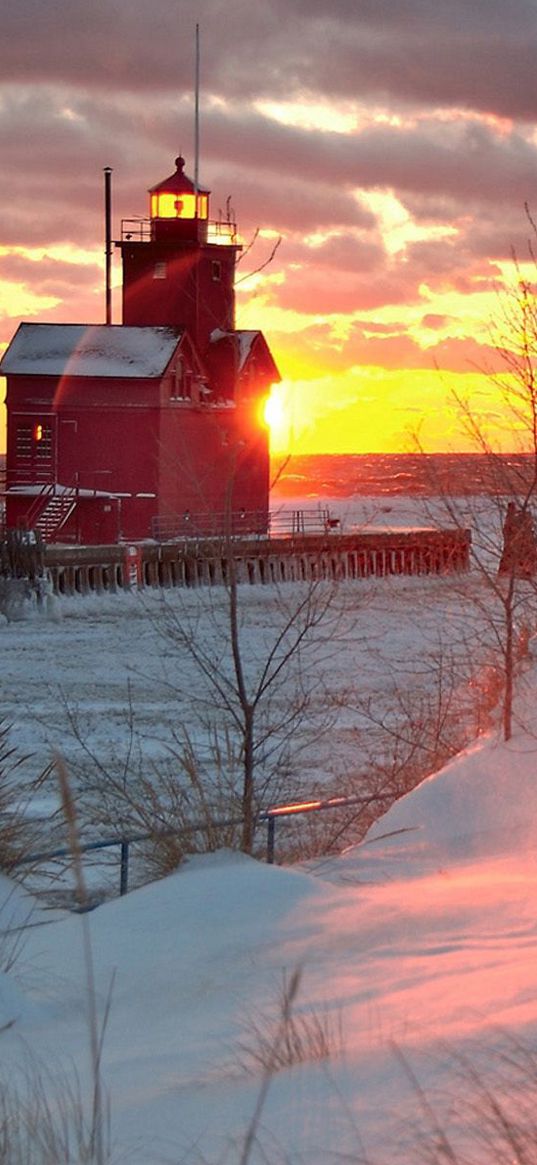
point(275, 417)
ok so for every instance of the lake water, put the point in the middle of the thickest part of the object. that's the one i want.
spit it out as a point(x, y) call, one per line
point(376, 474)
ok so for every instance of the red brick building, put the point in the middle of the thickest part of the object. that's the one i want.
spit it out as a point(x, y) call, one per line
point(152, 428)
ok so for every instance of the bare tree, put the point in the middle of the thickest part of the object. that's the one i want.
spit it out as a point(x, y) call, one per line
point(271, 704)
point(504, 541)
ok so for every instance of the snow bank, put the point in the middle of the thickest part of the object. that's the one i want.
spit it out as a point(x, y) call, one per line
point(483, 802)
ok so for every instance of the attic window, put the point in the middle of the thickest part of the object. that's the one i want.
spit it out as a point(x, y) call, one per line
point(177, 380)
point(216, 271)
point(159, 271)
point(182, 381)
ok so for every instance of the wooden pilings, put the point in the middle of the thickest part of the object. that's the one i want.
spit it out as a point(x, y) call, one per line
point(205, 562)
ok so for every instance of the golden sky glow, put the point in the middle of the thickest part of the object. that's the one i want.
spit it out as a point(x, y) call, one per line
point(380, 411)
point(395, 175)
point(331, 401)
point(364, 407)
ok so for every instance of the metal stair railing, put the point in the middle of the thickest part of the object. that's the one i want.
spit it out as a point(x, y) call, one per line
point(38, 505)
point(56, 513)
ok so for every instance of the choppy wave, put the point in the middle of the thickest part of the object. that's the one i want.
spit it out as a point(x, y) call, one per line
point(426, 475)
point(391, 474)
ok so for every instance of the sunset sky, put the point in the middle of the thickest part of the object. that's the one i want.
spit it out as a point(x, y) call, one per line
point(391, 143)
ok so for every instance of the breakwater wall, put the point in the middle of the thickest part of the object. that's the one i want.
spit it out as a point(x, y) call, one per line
point(372, 553)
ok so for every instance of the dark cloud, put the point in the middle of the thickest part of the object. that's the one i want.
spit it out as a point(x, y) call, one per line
point(278, 175)
point(341, 252)
point(479, 55)
point(459, 159)
point(295, 206)
point(347, 274)
point(483, 230)
point(314, 292)
point(453, 354)
point(47, 276)
point(443, 262)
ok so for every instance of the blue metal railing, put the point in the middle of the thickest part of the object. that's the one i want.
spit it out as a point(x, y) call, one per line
point(268, 817)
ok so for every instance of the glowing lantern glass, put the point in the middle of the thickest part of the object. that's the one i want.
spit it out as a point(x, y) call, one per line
point(175, 204)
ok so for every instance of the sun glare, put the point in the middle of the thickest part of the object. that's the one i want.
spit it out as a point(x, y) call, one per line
point(274, 409)
point(275, 416)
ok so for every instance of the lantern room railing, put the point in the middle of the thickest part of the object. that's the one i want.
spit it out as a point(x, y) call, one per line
point(219, 231)
point(137, 229)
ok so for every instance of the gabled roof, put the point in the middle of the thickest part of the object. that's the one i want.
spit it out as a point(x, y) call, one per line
point(96, 350)
point(247, 340)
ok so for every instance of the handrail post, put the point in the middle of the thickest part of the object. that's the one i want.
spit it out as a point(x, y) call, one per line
point(124, 868)
point(271, 831)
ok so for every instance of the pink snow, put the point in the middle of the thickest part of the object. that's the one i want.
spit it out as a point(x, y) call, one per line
point(426, 935)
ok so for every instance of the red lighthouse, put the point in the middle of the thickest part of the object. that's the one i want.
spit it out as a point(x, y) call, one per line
point(155, 426)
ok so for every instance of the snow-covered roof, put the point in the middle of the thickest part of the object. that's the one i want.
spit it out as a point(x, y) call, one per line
point(90, 350)
point(245, 339)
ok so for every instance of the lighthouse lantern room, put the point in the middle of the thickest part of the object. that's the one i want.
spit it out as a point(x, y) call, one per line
point(177, 209)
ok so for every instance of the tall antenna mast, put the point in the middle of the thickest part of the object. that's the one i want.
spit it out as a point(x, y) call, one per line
point(197, 122)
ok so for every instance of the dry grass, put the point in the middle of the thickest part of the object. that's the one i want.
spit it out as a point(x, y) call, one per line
point(178, 802)
point(96, 1148)
point(178, 796)
point(485, 1114)
point(45, 1122)
point(284, 1036)
point(17, 834)
point(488, 1114)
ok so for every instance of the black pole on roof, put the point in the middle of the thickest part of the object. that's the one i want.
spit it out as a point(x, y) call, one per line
point(108, 241)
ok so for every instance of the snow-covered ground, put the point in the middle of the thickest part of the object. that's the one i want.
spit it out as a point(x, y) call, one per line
point(396, 677)
point(109, 664)
point(416, 949)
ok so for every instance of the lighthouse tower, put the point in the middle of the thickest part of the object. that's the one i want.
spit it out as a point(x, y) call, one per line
point(178, 267)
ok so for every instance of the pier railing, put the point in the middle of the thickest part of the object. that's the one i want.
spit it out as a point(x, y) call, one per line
point(240, 523)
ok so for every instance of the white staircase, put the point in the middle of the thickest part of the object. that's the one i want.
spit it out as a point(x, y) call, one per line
point(55, 513)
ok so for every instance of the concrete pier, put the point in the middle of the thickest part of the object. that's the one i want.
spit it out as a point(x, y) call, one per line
point(367, 553)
